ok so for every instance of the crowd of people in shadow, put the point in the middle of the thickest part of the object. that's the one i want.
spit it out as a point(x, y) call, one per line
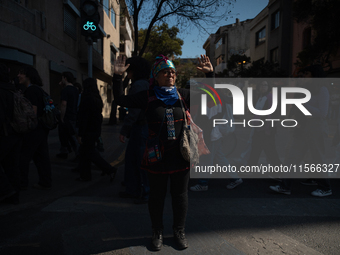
point(79, 129)
point(153, 129)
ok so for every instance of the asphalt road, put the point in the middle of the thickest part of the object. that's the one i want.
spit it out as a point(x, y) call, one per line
point(77, 218)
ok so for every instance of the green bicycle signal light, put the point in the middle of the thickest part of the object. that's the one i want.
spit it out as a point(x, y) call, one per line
point(89, 25)
point(90, 19)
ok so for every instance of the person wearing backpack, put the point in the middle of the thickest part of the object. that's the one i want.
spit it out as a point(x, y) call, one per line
point(35, 145)
point(10, 142)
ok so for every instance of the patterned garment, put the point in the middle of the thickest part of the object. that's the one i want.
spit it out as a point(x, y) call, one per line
point(170, 123)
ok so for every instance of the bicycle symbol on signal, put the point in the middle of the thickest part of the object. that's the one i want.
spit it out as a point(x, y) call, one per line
point(89, 25)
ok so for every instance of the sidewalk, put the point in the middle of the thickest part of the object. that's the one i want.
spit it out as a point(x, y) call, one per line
point(63, 179)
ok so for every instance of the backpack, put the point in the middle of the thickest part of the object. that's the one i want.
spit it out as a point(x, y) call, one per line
point(24, 117)
point(49, 119)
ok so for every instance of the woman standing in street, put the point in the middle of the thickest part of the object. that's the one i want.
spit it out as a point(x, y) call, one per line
point(164, 115)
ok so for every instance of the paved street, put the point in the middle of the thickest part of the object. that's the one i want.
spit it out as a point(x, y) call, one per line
point(90, 218)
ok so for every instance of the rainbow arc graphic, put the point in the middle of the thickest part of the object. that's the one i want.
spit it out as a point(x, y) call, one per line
point(210, 91)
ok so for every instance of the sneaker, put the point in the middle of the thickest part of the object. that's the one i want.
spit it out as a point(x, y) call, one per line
point(199, 187)
point(321, 193)
point(279, 189)
point(234, 184)
point(309, 182)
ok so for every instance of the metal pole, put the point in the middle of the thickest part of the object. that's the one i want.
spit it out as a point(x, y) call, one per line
point(89, 57)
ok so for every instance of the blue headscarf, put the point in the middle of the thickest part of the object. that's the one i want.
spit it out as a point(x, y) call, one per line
point(167, 94)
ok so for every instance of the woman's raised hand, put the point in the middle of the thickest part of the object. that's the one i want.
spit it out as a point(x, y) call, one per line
point(119, 65)
point(204, 64)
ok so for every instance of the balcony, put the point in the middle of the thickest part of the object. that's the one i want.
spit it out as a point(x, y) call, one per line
point(125, 29)
point(220, 50)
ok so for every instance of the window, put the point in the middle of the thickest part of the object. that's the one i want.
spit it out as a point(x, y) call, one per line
point(113, 54)
point(274, 55)
point(275, 20)
point(106, 7)
point(219, 43)
point(113, 17)
point(70, 23)
point(261, 36)
point(220, 59)
point(98, 46)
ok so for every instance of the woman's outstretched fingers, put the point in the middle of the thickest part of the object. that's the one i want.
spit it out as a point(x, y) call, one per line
point(119, 65)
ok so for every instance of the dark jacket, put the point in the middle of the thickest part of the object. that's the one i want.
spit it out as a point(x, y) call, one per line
point(89, 118)
point(135, 116)
point(172, 160)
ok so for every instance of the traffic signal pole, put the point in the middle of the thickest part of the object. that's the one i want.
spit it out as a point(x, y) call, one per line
point(89, 20)
point(89, 56)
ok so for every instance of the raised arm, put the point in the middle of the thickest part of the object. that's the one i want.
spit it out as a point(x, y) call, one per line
point(138, 100)
point(204, 65)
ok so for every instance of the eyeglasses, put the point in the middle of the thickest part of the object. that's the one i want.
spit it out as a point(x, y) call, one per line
point(168, 72)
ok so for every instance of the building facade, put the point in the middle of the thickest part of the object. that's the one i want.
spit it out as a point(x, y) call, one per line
point(47, 36)
point(228, 40)
point(271, 34)
point(303, 36)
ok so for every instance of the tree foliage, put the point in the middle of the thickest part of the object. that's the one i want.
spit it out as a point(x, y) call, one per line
point(324, 19)
point(185, 13)
point(162, 40)
point(185, 71)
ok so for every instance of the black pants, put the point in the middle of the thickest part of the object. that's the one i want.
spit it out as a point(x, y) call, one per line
point(35, 146)
point(89, 154)
point(67, 138)
point(310, 137)
point(179, 194)
point(263, 142)
point(9, 163)
point(113, 117)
